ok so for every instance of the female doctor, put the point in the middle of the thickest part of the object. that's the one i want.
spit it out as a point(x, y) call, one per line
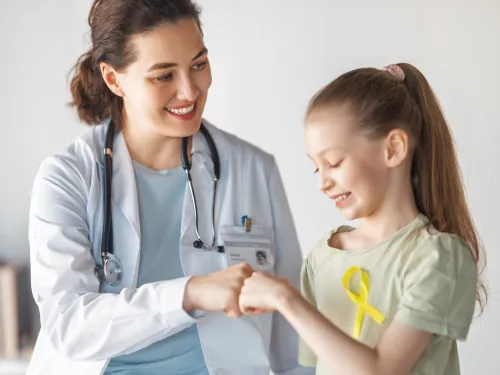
point(128, 270)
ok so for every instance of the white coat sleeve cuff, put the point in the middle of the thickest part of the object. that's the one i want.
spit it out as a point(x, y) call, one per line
point(171, 301)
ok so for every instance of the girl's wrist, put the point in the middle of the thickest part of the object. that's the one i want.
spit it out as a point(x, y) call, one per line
point(285, 295)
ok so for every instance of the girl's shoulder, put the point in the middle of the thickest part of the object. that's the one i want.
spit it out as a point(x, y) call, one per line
point(432, 249)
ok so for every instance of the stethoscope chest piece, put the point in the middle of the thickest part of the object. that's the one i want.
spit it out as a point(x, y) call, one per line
point(110, 272)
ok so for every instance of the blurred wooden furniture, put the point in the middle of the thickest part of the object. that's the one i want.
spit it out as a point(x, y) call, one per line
point(9, 311)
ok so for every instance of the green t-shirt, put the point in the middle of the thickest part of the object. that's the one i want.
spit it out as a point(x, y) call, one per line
point(419, 277)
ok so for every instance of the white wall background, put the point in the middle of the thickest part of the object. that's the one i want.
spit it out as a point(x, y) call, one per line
point(268, 58)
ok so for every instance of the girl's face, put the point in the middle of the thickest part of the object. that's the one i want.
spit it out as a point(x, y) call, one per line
point(353, 170)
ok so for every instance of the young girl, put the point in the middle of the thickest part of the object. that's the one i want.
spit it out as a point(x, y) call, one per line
point(393, 295)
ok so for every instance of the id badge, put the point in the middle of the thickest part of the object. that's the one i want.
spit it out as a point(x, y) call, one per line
point(256, 248)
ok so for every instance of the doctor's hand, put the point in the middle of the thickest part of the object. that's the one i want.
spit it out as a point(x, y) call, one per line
point(263, 293)
point(218, 291)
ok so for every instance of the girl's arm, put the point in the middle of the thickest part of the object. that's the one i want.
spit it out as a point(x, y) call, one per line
point(397, 352)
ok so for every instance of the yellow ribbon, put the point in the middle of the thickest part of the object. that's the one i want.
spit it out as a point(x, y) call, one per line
point(361, 300)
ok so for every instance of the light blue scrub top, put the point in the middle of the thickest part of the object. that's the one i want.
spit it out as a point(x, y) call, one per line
point(161, 199)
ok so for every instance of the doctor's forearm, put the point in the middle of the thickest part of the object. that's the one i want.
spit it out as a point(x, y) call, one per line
point(139, 317)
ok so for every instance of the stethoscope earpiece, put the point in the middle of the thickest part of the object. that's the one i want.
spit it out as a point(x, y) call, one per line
point(197, 244)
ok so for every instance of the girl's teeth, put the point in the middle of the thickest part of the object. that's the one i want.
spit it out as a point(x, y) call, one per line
point(181, 111)
point(341, 198)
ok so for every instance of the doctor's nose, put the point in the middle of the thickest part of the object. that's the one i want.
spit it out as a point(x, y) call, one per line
point(187, 90)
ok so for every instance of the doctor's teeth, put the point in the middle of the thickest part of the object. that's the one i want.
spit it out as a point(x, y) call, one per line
point(181, 111)
point(342, 197)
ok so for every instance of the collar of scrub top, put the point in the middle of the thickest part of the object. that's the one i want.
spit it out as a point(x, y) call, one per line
point(200, 146)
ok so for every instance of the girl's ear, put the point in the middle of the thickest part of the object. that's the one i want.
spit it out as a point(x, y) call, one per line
point(396, 147)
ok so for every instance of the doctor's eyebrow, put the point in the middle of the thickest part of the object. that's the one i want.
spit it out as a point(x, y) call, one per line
point(166, 65)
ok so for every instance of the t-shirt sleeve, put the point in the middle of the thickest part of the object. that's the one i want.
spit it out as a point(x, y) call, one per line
point(306, 356)
point(439, 287)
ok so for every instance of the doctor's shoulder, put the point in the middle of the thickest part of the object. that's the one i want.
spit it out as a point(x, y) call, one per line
point(75, 164)
point(245, 154)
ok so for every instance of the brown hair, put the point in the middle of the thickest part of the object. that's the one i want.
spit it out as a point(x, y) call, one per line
point(382, 101)
point(113, 24)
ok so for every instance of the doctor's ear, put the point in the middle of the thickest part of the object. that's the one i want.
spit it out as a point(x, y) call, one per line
point(111, 79)
point(396, 147)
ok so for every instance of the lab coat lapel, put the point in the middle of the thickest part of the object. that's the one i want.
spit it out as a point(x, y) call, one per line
point(125, 211)
point(124, 189)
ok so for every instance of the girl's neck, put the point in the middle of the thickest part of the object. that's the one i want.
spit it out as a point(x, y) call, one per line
point(396, 211)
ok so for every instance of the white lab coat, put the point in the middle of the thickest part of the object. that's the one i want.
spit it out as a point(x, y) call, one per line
point(84, 324)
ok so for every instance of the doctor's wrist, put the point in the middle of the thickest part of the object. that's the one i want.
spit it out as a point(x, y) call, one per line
point(189, 303)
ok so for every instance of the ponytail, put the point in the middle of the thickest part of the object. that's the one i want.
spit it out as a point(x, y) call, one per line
point(436, 176)
point(92, 98)
point(112, 31)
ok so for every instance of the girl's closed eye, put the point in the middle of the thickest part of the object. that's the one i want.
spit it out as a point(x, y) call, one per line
point(331, 166)
point(337, 164)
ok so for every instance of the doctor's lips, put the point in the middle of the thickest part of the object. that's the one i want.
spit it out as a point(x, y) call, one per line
point(183, 112)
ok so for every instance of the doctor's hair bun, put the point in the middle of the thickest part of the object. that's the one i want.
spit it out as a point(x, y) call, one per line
point(113, 24)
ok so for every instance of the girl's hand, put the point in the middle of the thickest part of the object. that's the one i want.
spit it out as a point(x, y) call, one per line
point(262, 293)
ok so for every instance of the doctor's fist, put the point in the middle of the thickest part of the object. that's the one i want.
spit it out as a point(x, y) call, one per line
point(218, 291)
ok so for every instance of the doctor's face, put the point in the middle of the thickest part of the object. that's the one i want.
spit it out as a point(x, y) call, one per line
point(165, 88)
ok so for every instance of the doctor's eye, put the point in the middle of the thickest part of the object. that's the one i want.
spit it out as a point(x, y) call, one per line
point(165, 78)
point(200, 66)
point(316, 170)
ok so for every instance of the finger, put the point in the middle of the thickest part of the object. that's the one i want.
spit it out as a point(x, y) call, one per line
point(247, 269)
point(253, 311)
point(241, 304)
point(246, 307)
point(234, 308)
point(248, 311)
point(232, 314)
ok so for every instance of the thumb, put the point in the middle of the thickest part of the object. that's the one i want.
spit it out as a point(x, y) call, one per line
point(233, 309)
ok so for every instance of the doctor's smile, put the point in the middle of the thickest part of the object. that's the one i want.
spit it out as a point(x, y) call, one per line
point(184, 112)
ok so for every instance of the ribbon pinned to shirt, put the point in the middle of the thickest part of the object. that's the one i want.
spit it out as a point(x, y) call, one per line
point(361, 300)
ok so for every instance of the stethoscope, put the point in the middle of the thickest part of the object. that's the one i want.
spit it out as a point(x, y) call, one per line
point(111, 270)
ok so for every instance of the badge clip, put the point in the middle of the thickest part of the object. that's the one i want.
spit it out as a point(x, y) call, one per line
point(247, 223)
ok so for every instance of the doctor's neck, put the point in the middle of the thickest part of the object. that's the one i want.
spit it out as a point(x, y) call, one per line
point(153, 149)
